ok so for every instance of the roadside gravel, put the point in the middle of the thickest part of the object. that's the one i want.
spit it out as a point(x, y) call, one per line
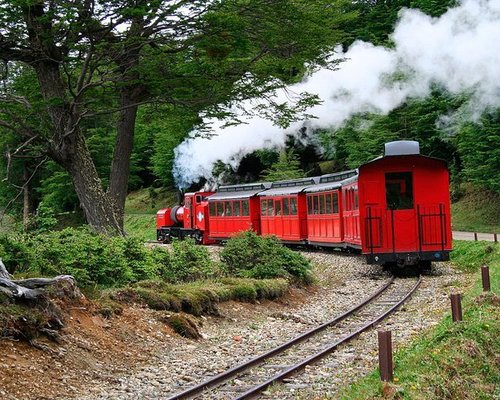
point(246, 330)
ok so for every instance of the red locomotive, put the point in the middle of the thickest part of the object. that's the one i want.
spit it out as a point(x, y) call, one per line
point(394, 209)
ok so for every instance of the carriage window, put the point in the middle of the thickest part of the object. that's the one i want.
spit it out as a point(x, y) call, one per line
point(335, 203)
point(270, 207)
point(211, 207)
point(293, 206)
point(286, 208)
point(229, 209)
point(309, 205)
point(220, 209)
point(244, 208)
point(277, 207)
point(356, 200)
point(315, 205)
point(399, 190)
point(322, 204)
point(328, 208)
point(263, 207)
point(236, 208)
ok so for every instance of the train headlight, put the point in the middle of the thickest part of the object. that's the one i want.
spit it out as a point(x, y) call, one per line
point(376, 258)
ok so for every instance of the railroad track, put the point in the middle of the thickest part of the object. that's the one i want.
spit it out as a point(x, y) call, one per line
point(253, 376)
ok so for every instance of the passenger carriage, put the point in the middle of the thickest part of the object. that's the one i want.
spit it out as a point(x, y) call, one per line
point(235, 208)
point(324, 210)
point(284, 210)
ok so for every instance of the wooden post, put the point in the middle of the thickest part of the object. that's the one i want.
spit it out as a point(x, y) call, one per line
point(385, 355)
point(495, 237)
point(475, 236)
point(456, 307)
point(485, 275)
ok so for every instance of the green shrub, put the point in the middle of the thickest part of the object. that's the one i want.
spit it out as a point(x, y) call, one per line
point(190, 262)
point(89, 257)
point(252, 256)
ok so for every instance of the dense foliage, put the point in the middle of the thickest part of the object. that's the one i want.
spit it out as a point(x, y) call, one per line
point(200, 77)
point(97, 259)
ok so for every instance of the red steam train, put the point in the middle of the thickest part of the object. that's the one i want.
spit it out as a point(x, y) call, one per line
point(394, 209)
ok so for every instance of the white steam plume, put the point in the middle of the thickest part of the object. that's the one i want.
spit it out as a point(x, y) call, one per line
point(459, 50)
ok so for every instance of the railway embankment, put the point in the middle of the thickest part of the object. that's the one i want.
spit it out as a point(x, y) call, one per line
point(244, 331)
point(135, 354)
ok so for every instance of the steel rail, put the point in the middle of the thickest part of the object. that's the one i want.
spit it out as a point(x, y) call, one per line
point(226, 375)
point(259, 388)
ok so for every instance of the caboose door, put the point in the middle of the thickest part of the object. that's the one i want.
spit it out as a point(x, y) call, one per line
point(401, 216)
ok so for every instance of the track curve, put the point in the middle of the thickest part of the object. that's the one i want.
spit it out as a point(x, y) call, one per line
point(248, 379)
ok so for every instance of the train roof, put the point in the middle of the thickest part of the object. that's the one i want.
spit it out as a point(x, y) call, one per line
point(401, 148)
point(333, 181)
point(243, 191)
point(293, 186)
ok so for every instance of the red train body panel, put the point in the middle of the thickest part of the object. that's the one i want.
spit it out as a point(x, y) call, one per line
point(233, 209)
point(395, 209)
point(284, 210)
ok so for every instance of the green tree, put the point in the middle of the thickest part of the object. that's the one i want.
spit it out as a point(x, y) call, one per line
point(287, 167)
point(477, 143)
point(92, 60)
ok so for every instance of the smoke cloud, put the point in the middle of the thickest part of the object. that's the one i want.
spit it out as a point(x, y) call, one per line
point(459, 51)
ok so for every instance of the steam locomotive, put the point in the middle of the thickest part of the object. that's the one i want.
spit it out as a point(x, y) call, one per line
point(394, 209)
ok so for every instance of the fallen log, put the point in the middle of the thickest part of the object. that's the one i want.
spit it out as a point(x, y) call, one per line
point(32, 288)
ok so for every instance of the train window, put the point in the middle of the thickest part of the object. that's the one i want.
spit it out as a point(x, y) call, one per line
point(286, 208)
point(309, 205)
point(211, 208)
point(277, 207)
point(220, 209)
point(399, 190)
point(328, 206)
point(336, 203)
point(198, 199)
point(228, 209)
point(322, 204)
point(293, 206)
point(244, 208)
point(270, 207)
point(356, 200)
point(263, 207)
point(315, 205)
point(236, 208)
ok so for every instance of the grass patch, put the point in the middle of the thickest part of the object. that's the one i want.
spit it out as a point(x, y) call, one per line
point(200, 297)
point(468, 256)
point(477, 211)
point(453, 361)
point(141, 226)
point(150, 200)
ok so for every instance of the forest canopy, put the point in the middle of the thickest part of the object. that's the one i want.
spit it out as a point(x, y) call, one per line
point(96, 96)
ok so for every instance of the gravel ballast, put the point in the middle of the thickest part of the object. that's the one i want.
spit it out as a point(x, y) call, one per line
point(245, 330)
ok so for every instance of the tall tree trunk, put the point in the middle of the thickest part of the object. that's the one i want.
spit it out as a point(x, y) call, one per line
point(26, 198)
point(120, 167)
point(97, 205)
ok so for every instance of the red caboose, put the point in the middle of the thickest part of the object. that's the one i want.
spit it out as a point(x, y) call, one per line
point(404, 207)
